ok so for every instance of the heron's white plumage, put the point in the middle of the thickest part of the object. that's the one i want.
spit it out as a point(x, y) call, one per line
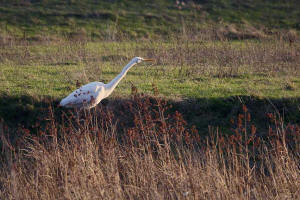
point(91, 94)
point(87, 96)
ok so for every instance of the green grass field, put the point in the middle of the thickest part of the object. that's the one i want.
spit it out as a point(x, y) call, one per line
point(180, 71)
point(206, 80)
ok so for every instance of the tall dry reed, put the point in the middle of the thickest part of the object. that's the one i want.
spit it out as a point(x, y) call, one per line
point(156, 157)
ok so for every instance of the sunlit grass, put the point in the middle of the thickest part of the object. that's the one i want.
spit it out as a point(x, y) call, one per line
point(59, 80)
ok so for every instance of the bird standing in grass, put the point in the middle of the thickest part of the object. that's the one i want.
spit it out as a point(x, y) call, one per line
point(89, 95)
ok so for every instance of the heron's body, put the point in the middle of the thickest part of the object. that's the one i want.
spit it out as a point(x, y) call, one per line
point(89, 95)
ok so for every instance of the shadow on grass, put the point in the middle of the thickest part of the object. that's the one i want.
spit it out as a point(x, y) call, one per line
point(28, 112)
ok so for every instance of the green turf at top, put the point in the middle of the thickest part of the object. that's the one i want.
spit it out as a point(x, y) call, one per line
point(139, 19)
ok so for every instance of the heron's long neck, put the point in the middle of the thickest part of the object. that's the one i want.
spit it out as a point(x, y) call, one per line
point(112, 84)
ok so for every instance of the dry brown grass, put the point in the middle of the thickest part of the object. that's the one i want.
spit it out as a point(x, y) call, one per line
point(191, 56)
point(158, 157)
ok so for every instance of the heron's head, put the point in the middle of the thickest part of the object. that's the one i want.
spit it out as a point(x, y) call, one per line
point(139, 59)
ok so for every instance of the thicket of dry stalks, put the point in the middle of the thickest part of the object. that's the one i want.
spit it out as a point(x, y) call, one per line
point(157, 157)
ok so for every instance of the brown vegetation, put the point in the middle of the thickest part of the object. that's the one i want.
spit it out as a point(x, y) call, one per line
point(197, 56)
point(157, 157)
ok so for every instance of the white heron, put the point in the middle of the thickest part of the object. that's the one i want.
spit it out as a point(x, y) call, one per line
point(89, 95)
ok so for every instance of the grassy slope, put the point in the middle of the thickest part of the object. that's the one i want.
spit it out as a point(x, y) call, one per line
point(110, 20)
point(54, 69)
point(206, 81)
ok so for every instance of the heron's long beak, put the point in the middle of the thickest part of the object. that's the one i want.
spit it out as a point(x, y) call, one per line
point(148, 59)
